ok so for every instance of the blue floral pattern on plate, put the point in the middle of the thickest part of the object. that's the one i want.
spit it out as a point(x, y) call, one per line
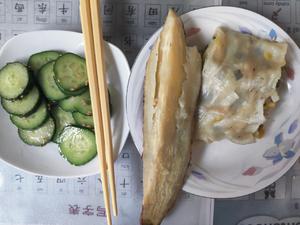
point(245, 30)
point(198, 175)
point(283, 149)
point(273, 34)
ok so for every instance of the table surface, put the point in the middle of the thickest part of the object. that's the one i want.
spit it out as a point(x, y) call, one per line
point(28, 199)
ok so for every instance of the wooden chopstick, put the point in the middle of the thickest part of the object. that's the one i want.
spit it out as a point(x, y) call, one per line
point(99, 51)
point(85, 13)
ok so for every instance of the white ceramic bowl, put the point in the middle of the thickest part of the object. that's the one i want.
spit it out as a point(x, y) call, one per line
point(224, 169)
point(47, 160)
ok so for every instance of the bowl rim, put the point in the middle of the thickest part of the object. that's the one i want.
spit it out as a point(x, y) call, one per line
point(127, 73)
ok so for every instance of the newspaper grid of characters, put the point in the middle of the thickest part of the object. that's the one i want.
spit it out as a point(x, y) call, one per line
point(28, 199)
point(126, 23)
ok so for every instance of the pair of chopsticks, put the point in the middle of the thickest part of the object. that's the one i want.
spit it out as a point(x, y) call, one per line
point(94, 52)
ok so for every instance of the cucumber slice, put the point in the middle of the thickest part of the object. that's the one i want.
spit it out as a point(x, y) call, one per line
point(62, 119)
point(32, 121)
point(37, 60)
point(83, 120)
point(77, 145)
point(14, 80)
point(70, 72)
point(72, 93)
point(80, 103)
point(48, 84)
point(39, 136)
point(68, 104)
point(23, 106)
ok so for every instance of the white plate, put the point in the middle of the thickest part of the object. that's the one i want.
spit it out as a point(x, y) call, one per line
point(224, 169)
point(47, 160)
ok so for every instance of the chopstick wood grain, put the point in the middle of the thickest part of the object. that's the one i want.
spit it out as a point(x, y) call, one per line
point(85, 12)
point(102, 83)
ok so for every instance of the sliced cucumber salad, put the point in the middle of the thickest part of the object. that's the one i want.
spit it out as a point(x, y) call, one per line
point(49, 100)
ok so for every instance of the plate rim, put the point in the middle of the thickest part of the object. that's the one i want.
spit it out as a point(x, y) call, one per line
point(187, 187)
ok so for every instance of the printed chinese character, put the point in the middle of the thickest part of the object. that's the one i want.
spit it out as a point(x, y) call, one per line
point(42, 7)
point(60, 180)
point(129, 14)
point(82, 186)
point(153, 11)
point(39, 179)
point(19, 177)
point(124, 194)
point(108, 9)
point(270, 191)
point(101, 211)
point(61, 186)
point(88, 210)
point(125, 155)
point(124, 166)
point(124, 183)
point(64, 20)
point(279, 11)
point(152, 16)
point(152, 23)
point(74, 209)
point(64, 12)
point(19, 7)
point(128, 42)
point(131, 10)
point(63, 9)
point(275, 14)
point(81, 180)
point(19, 11)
